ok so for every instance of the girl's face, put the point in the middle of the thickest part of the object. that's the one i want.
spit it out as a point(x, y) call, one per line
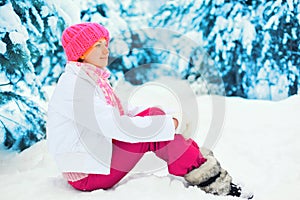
point(97, 54)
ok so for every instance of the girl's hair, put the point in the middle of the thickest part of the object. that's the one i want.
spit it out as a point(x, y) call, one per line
point(80, 60)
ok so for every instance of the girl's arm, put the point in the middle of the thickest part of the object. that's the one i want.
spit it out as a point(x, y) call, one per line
point(86, 106)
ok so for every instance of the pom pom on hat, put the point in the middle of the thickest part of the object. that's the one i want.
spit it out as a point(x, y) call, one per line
point(78, 38)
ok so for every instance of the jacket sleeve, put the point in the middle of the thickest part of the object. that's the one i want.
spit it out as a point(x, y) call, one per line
point(131, 110)
point(87, 107)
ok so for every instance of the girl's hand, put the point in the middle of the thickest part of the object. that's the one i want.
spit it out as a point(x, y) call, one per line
point(175, 122)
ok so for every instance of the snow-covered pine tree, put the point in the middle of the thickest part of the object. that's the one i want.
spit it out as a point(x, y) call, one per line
point(276, 50)
point(30, 58)
point(253, 43)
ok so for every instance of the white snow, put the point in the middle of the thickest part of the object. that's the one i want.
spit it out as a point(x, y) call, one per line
point(52, 22)
point(291, 5)
point(68, 9)
point(221, 23)
point(9, 20)
point(249, 35)
point(17, 38)
point(259, 146)
point(2, 47)
point(44, 11)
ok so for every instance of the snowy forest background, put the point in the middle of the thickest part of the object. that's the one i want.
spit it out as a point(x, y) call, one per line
point(239, 48)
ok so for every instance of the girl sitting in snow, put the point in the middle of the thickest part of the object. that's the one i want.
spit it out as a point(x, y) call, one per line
point(94, 147)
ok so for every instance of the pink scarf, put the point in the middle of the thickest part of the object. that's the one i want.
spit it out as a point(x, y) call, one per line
point(100, 76)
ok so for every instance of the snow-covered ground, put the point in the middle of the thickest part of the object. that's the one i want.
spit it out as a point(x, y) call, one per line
point(259, 146)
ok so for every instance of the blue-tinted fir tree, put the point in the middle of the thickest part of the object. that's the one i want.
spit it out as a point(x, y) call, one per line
point(30, 58)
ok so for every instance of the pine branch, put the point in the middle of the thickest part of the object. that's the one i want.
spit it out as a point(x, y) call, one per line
point(5, 84)
point(12, 121)
point(18, 105)
point(9, 139)
point(294, 52)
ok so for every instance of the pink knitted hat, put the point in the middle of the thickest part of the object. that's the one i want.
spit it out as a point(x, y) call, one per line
point(78, 38)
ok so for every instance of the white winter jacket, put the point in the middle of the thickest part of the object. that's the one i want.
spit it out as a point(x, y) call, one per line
point(81, 125)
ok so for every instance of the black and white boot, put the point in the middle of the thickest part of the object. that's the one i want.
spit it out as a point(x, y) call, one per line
point(211, 178)
point(236, 190)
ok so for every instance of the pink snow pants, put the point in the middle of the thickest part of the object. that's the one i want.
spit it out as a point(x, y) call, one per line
point(181, 155)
